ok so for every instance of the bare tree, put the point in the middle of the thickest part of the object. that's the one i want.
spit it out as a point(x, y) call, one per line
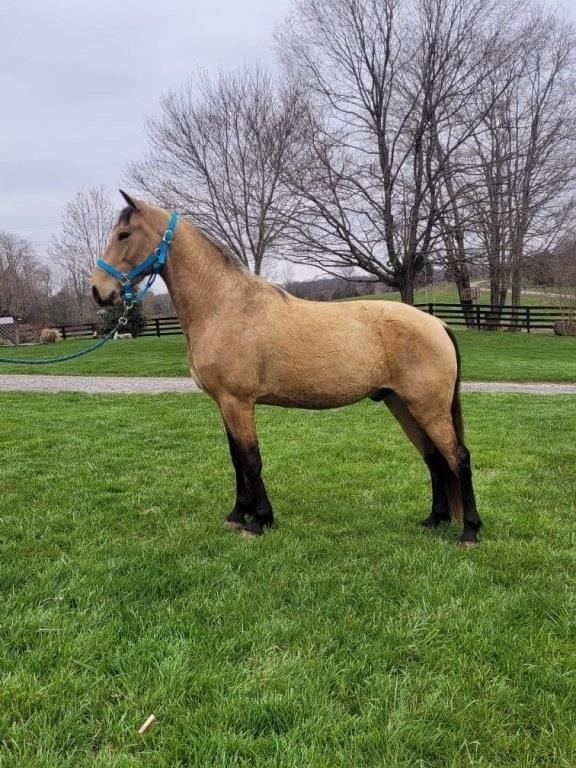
point(21, 278)
point(561, 267)
point(217, 153)
point(524, 152)
point(86, 224)
point(388, 80)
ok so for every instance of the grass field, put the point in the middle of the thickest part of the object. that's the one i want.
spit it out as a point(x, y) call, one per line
point(486, 356)
point(346, 638)
point(446, 293)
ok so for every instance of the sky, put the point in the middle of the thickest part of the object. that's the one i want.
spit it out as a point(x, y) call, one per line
point(79, 77)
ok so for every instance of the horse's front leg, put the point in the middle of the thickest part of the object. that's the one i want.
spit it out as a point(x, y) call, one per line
point(252, 511)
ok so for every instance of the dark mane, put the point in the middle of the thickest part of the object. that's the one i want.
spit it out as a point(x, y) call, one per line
point(227, 253)
point(229, 256)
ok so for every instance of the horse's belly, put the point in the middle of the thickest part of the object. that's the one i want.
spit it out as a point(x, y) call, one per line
point(310, 400)
point(325, 388)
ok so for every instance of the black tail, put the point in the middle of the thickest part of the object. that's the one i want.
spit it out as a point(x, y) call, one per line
point(452, 482)
point(456, 408)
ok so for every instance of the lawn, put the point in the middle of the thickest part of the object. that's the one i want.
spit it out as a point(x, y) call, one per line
point(146, 356)
point(486, 356)
point(446, 293)
point(347, 637)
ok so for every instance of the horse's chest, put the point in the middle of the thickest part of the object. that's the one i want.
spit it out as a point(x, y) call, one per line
point(193, 366)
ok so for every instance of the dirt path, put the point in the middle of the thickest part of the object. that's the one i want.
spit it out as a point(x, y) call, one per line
point(110, 385)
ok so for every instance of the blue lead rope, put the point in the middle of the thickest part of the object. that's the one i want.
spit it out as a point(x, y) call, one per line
point(155, 261)
point(62, 358)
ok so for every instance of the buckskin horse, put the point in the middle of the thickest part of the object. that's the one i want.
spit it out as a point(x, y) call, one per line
point(250, 342)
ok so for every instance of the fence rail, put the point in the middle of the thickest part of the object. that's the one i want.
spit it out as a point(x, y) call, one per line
point(162, 326)
point(479, 316)
point(78, 330)
point(488, 317)
point(155, 326)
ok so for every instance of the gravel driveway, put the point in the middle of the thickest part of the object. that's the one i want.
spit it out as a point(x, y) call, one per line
point(122, 385)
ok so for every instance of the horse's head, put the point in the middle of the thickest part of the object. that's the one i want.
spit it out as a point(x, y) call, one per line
point(130, 241)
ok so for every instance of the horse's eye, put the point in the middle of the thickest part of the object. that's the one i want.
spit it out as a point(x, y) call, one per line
point(123, 235)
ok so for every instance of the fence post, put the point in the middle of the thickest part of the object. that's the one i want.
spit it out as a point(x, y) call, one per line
point(478, 316)
point(528, 319)
point(63, 329)
point(430, 309)
point(157, 323)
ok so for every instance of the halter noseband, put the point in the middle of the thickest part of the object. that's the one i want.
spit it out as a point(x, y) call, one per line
point(153, 262)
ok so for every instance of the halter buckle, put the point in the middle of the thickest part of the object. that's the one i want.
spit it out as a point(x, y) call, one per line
point(168, 235)
point(123, 279)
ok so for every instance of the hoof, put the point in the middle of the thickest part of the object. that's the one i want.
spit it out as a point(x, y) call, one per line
point(467, 544)
point(232, 525)
point(432, 522)
point(246, 534)
point(255, 528)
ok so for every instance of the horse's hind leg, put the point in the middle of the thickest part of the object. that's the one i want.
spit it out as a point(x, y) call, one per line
point(434, 460)
point(252, 511)
point(440, 428)
point(438, 471)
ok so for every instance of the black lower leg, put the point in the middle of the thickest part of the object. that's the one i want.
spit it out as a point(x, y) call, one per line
point(438, 467)
point(237, 516)
point(251, 499)
point(472, 522)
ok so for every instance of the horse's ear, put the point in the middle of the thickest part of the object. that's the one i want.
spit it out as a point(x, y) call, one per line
point(128, 199)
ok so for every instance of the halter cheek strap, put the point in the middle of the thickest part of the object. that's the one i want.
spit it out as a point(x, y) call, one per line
point(151, 265)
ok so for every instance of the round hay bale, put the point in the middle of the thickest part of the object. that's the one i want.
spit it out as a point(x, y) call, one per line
point(49, 336)
point(565, 328)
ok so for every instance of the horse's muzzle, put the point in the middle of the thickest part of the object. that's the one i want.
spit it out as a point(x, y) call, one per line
point(109, 301)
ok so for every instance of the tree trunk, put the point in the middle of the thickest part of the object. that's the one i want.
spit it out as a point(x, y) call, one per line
point(498, 292)
point(407, 288)
point(462, 280)
point(516, 285)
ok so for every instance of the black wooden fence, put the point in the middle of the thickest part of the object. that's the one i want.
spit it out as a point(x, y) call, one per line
point(162, 326)
point(155, 326)
point(479, 316)
point(489, 318)
point(78, 330)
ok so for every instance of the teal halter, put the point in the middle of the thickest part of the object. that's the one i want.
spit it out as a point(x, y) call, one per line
point(151, 265)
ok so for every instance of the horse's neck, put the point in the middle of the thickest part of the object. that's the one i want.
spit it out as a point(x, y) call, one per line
point(198, 279)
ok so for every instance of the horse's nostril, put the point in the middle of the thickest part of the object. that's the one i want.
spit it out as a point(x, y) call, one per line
point(99, 300)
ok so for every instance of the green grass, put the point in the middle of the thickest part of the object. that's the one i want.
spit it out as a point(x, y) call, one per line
point(490, 356)
point(146, 356)
point(446, 293)
point(486, 356)
point(347, 637)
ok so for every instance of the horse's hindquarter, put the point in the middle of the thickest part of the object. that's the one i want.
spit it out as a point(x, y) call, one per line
point(328, 354)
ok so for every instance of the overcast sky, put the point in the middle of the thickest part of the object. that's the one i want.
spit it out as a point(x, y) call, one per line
point(78, 78)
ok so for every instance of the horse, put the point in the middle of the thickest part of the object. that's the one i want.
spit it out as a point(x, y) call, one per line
point(250, 342)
